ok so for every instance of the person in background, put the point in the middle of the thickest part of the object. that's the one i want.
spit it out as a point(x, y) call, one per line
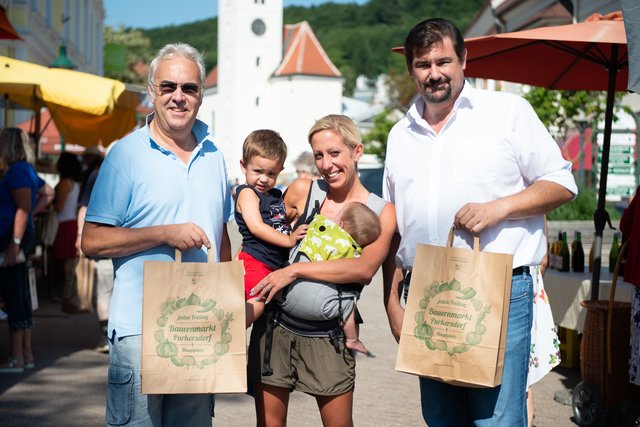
point(22, 193)
point(65, 203)
point(630, 227)
point(91, 161)
point(305, 166)
point(234, 187)
point(483, 162)
point(103, 267)
point(545, 345)
point(162, 188)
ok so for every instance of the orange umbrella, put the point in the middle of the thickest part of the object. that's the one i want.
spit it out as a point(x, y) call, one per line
point(590, 55)
point(570, 57)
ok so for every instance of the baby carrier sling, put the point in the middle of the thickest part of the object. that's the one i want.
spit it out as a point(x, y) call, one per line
point(310, 328)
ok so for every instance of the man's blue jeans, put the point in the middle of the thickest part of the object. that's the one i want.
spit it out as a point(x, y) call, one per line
point(445, 405)
point(127, 406)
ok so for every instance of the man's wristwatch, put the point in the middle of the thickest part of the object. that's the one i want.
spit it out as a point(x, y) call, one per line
point(17, 241)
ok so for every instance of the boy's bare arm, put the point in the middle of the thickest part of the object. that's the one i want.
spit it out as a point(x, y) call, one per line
point(248, 205)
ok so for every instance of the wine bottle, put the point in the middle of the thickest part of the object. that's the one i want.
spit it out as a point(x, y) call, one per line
point(565, 255)
point(613, 253)
point(557, 259)
point(577, 257)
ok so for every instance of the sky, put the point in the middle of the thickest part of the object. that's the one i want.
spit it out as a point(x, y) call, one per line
point(160, 13)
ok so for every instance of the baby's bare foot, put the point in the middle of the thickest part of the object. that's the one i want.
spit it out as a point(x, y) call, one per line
point(356, 345)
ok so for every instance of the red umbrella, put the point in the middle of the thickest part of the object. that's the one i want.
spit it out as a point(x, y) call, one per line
point(7, 31)
point(571, 57)
point(591, 55)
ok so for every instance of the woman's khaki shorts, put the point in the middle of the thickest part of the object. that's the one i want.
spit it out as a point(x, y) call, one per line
point(310, 365)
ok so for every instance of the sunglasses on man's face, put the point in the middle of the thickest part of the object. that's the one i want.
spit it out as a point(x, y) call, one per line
point(166, 88)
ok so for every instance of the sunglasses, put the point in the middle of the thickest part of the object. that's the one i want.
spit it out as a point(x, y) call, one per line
point(167, 88)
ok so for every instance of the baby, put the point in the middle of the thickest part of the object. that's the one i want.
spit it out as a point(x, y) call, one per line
point(325, 240)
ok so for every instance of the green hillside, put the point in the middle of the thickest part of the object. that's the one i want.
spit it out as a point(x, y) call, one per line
point(357, 38)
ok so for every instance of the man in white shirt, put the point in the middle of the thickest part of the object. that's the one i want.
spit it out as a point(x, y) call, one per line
point(484, 162)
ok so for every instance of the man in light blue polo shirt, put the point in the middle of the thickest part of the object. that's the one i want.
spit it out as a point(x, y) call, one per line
point(162, 187)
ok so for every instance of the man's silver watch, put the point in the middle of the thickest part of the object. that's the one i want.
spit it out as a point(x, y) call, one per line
point(17, 241)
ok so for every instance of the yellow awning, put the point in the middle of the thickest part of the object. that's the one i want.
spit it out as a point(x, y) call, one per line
point(86, 108)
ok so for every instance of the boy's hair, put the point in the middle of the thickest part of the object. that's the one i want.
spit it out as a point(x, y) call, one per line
point(265, 143)
point(361, 223)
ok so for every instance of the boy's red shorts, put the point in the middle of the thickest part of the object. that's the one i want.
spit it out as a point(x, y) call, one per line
point(254, 271)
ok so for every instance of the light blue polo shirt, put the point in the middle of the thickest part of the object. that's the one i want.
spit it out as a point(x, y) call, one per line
point(141, 184)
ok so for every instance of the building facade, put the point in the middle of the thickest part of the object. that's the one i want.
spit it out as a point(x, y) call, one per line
point(503, 16)
point(45, 25)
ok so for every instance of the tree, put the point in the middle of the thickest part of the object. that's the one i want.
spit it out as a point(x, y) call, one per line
point(137, 50)
point(375, 141)
point(202, 35)
point(560, 110)
point(402, 89)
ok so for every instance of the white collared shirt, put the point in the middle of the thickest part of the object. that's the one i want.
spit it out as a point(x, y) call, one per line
point(492, 146)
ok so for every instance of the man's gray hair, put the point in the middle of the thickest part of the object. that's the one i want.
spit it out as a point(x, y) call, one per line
point(173, 50)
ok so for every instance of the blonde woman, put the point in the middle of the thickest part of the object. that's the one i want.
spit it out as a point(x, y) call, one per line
point(319, 364)
point(22, 193)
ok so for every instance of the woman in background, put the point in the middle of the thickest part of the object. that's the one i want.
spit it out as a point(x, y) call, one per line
point(22, 193)
point(64, 252)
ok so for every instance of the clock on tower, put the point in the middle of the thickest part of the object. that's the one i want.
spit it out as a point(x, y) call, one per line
point(258, 27)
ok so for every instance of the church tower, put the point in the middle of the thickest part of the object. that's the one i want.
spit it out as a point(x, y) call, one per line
point(249, 50)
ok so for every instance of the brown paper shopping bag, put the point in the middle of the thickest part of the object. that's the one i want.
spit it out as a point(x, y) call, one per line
point(455, 322)
point(78, 289)
point(193, 327)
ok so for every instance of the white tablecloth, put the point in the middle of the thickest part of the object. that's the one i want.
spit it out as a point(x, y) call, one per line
point(567, 290)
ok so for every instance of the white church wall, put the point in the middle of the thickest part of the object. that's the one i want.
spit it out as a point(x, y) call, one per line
point(290, 108)
point(207, 112)
point(247, 55)
point(297, 102)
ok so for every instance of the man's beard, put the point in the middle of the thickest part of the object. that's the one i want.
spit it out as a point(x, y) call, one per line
point(439, 96)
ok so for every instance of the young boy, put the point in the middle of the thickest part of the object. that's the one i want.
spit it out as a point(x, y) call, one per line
point(356, 227)
point(261, 215)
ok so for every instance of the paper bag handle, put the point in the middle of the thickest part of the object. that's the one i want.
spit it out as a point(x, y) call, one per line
point(476, 239)
point(210, 253)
